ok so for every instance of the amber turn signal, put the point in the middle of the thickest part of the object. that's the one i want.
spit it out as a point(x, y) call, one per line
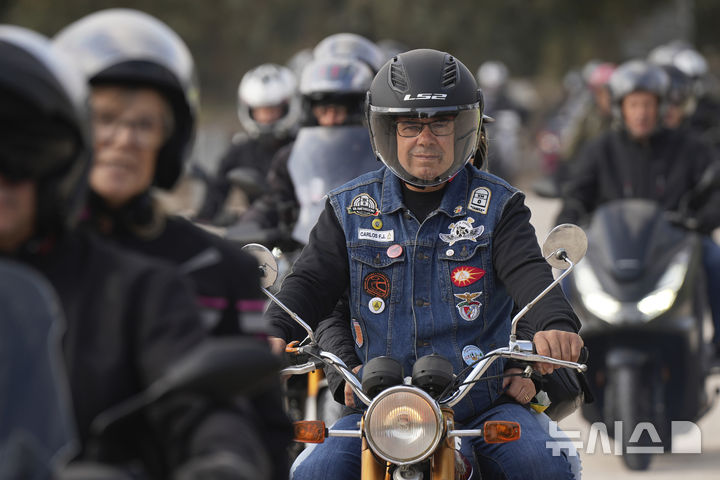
point(496, 431)
point(310, 431)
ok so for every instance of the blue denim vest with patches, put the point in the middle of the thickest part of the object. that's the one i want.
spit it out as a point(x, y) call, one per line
point(438, 293)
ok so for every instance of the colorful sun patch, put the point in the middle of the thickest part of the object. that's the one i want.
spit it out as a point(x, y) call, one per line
point(466, 275)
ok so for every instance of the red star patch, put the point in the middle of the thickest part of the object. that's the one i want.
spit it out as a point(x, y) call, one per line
point(466, 275)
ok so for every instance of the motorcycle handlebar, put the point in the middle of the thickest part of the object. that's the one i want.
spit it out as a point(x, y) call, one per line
point(454, 398)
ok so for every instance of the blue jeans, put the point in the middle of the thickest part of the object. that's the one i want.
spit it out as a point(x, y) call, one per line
point(527, 458)
point(711, 262)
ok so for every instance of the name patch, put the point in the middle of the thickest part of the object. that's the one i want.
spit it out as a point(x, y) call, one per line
point(376, 235)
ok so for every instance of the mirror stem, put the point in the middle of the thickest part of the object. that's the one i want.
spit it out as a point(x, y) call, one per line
point(562, 255)
point(291, 313)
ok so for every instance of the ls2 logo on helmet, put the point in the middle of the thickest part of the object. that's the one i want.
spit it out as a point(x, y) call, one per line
point(426, 96)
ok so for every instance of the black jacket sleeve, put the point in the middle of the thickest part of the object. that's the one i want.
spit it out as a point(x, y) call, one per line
point(580, 191)
point(521, 267)
point(334, 335)
point(319, 277)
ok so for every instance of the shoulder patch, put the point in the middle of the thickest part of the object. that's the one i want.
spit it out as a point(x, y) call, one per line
point(363, 205)
point(480, 200)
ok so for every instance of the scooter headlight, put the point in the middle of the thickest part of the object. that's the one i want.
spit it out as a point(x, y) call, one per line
point(403, 425)
point(663, 297)
point(595, 299)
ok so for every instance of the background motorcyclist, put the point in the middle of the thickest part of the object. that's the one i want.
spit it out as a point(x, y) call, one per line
point(643, 159)
point(128, 317)
point(412, 198)
point(145, 104)
point(333, 92)
point(269, 112)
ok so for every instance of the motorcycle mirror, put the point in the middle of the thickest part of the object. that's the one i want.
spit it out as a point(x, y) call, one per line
point(267, 262)
point(565, 241)
point(219, 368)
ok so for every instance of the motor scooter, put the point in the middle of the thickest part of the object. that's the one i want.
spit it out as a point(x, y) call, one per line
point(408, 429)
point(640, 295)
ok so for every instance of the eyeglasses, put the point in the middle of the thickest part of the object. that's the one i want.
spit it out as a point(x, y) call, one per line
point(147, 132)
point(440, 128)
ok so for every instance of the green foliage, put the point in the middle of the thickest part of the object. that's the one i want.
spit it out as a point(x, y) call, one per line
point(534, 37)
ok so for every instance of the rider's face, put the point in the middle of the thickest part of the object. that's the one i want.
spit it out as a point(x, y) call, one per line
point(331, 114)
point(640, 113)
point(130, 126)
point(17, 213)
point(267, 115)
point(427, 155)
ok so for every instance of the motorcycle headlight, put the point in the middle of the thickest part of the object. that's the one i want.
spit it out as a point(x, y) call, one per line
point(403, 425)
point(607, 308)
point(595, 299)
point(663, 297)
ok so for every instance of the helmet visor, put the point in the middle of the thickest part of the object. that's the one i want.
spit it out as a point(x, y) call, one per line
point(425, 148)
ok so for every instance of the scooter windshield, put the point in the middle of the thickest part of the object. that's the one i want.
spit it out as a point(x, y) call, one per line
point(36, 426)
point(324, 158)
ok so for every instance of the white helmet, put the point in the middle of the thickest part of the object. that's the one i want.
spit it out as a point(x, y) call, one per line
point(264, 86)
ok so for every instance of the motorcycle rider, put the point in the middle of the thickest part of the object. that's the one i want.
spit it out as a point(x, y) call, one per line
point(643, 159)
point(332, 90)
point(412, 224)
point(128, 317)
point(145, 103)
point(269, 111)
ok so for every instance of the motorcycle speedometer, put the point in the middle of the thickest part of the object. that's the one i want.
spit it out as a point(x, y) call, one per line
point(403, 425)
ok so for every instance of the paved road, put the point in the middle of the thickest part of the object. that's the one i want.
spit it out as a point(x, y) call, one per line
point(598, 465)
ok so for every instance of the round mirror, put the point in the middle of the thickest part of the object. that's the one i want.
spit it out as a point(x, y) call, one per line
point(266, 261)
point(568, 238)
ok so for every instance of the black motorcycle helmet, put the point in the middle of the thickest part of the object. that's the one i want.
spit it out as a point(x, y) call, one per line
point(333, 80)
point(128, 47)
point(45, 126)
point(637, 76)
point(425, 83)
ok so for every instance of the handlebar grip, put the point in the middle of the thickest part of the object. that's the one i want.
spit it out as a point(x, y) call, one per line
point(584, 355)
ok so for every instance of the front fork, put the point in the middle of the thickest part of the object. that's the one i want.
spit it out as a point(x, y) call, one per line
point(442, 462)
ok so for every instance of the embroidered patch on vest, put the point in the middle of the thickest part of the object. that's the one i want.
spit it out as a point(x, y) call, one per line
point(480, 200)
point(359, 340)
point(377, 284)
point(469, 308)
point(376, 305)
point(376, 235)
point(377, 223)
point(471, 354)
point(466, 275)
point(462, 230)
point(364, 205)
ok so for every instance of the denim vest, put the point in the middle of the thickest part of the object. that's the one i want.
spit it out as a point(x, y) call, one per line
point(417, 289)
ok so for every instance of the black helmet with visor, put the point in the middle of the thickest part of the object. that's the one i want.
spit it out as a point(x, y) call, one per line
point(45, 132)
point(425, 84)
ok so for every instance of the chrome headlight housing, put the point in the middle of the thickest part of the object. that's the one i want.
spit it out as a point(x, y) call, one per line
point(403, 425)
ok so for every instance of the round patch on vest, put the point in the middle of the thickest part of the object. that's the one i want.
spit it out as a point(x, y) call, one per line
point(377, 224)
point(471, 354)
point(376, 305)
point(377, 284)
point(394, 251)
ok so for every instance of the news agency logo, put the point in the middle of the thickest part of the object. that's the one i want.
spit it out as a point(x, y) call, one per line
point(686, 438)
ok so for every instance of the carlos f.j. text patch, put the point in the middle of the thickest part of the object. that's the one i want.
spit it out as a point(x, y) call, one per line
point(376, 235)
